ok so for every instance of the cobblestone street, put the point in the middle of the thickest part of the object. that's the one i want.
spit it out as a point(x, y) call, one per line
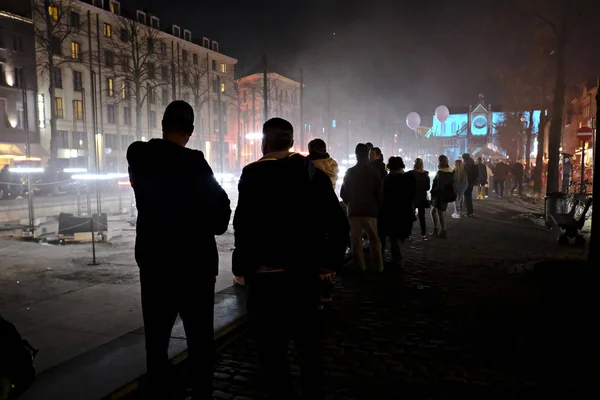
point(455, 324)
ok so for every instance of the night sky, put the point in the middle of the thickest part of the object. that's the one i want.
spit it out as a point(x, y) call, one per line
point(410, 55)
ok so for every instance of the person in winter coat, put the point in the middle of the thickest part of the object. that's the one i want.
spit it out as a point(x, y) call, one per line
point(175, 247)
point(517, 173)
point(500, 177)
point(443, 191)
point(423, 184)
point(317, 153)
point(362, 193)
point(481, 178)
point(472, 174)
point(376, 160)
point(397, 213)
point(288, 228)
point(460, 177)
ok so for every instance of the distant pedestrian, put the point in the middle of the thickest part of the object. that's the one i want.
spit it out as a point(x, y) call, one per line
point(482, 178)
point(460, 177)
point(289, 228)
point(517, 173)
point(421, 203)
point(397, 213)
point(376, 160)
point(175, 247)
point(567, 174)
point(443, 191)
point(500, 176)
point(317, 153)
point(362, 193)
point(472, 175)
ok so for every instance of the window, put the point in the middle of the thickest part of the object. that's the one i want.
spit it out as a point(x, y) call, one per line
point(110, 113)
point(77, 81)
point(115, 7)
point(184, 55)
point(205, 42)
point(124, 35)
point(1, 38)
point(286, 96)
point(215, 105)
point(151, 71)
point(109, 59)
point(141, 17)
point(222, 87)
point(187, 35)
point(78, 109)
point(58, 78)
point(150, 42)
point(214, 86)
point(124, 90)
point(215, 46)
point(163, 48)
point(17, 43)
point(126, 117)
point(186, 97)
point(176, 31)
point(152, 96)
point(20, 116)
point(55, 46)
point(110, 141)
point(214, 65)
point(62, 139)
point(245, 96)
point(195, 59)
point(196, 82)
point(53, 12)
point(164, 71)
point(165, 97)
point(185, 78)
point(107, 30)
point(75, 50)
point(19, 77)
point(154, 22)
point(125, 62)
point(126, 140)
point(75, 20)
point(110, 87)
point(223, 68)
point(152, 119)
point(59, 107)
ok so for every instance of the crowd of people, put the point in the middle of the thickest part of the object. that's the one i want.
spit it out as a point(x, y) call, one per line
point(290, 230)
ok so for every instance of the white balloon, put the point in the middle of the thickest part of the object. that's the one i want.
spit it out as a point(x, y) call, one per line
point(442, 113)
point(413, 120)
point(490, 146)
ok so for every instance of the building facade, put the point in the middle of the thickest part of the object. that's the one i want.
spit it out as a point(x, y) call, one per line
point(114, 71)
point(581, 111)
point(18, 101)
point(283, 100)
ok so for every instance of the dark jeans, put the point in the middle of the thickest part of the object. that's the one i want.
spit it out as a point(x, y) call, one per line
point(164, 295)
point(283, 308)
point(499, 184)
point(518, 184)
point(422, 224)
point(469, 199)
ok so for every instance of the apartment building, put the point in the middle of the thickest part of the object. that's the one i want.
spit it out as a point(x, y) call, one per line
point(114, 72)
point(18, 101)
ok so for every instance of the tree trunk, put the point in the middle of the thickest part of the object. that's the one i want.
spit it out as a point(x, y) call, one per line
point(138, 120)
point(594, 249)
point(528, 145)
point(557, 112)
point(539, 159)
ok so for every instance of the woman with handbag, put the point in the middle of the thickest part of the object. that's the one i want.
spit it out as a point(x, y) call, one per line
point(443, 191)
point(421, 201)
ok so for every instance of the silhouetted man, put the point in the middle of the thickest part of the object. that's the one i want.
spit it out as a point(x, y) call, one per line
point(181, 208)
point(472, 176)
point(288, 226)
point(377, 162)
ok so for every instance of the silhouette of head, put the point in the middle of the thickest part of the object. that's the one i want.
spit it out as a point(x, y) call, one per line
point(375, 154)
point(443, 161)
point(317, 146)
point(362, 153)
point(178, 122)
point(278, 135)
point(395, 164)
point(418, 164)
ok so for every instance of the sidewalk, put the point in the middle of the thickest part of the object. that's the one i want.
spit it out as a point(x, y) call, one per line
point(66, 307)
point(455, 324)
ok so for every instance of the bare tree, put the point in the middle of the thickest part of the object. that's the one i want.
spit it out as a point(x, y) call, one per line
point(56, 24)
point(510, 132)
point(136, 49)
point(193, 79)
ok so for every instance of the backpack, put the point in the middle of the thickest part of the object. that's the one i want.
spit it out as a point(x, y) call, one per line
point(17, 360)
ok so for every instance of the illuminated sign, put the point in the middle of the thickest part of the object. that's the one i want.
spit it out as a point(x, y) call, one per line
point(41, 110)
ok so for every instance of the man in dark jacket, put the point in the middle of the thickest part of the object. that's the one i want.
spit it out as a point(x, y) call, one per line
point(288, 227)
point(181, 208)
point(500, 177)
point(517, 173)
point(376, 160)
point(363, 194)
point(472, 177)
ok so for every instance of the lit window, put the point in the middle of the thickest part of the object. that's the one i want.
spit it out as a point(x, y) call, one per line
point(75, 50)
point(107, 30)
point(114, 7)
point(124, 90)
point(53, 11)
point(110, 87)
point(222, 88)
point(59, 107)
point(78, 109)
point(223, 68)
point(195, 59)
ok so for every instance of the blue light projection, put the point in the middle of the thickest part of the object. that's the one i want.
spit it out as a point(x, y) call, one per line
point(456, 124)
